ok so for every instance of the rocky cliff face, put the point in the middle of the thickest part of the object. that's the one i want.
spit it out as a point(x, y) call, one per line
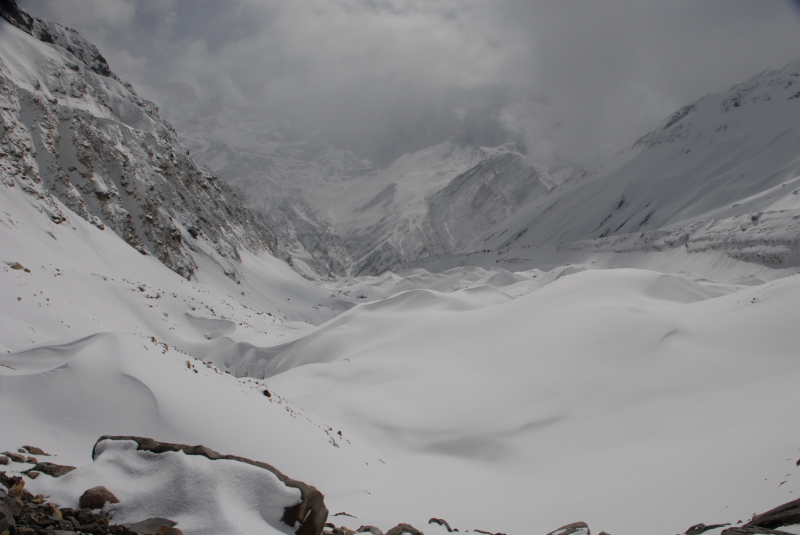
point(75, 132)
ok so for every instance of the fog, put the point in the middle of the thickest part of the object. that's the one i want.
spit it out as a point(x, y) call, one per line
point(572, 80)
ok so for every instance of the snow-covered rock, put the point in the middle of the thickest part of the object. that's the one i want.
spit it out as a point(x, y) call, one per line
point(75, 131)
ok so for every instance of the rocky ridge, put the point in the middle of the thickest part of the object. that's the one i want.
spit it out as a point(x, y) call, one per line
point(75, 133)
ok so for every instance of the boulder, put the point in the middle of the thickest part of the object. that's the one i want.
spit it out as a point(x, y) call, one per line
point(33, 450)
point(54, 470)
point(96, 498)
point(399, 529)
point(370, 529)
point(151, 525)
point(167, 530)
point(6, 518)
point(16, 457)
point(310, 512)
point(577, 528)
point(4, 460)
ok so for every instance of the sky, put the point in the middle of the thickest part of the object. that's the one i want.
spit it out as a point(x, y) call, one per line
point(574, 80)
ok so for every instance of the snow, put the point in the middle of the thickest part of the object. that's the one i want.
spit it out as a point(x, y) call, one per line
point(629, 381)
point(201, 495)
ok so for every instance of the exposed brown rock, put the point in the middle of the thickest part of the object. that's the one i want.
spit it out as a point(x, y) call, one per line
point(16, 457)
point(4, 460)
point(167, 530)
point(370, 529)
point(310, 512)
point(54, 470)
point(96, 498)
point(33, 474)
point(33, 450)
point(399, 529)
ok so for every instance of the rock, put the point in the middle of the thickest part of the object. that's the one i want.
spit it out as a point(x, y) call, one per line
point(33, 450)
point(370, 529)
point(6, 518)
point(603, 533)
point(4, 460)
point(31, 460)
point(578, 528)
point(342, 531)
point(399, 529)
point(33, 474)
point(441, 522)
point(53, 470)
point(15, 491)
point(167, 530)
point(697, 529)
point(151, 525)
point(751, 530)
point(310, 513)
point(96, 498)
point(16, 457)
point(783, 515)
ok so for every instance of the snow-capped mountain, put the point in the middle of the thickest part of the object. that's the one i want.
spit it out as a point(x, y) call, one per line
point(76, 132)
point(722, 173)
point(333, 213)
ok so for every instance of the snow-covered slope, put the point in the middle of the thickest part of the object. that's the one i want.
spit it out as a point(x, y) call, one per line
point(722, 173)
point(76, 132)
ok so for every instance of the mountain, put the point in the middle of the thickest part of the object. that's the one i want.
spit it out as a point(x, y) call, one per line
point(722, 174)
point(74, 131)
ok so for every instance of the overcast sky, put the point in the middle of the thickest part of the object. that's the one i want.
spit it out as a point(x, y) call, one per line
point(580, 79)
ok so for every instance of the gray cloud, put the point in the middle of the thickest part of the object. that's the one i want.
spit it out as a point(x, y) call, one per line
point(577, 79)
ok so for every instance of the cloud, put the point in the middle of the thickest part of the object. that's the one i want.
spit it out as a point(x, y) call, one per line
point(577, 79)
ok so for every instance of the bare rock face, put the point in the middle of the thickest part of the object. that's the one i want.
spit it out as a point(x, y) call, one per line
point(96, 498)
point(309, 514)
point(76, 132)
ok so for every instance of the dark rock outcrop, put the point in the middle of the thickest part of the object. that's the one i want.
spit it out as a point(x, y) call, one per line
point(33, 450)
point(784, 515)
point(310, 512)
point(23, 513)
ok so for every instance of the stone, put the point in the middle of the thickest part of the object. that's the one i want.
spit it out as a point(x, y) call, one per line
point(15, 491)
point(16, 457)
point(53, 470)
point(310, 513)
point(6, 517)
point(167, 530)
point(33, 474)
point(783, 515)
point(151, 525)
point(4, 460)
point(399, 529)
point(441, 522)
point(697, 529)
point(96, 498)
point(577, 528)
point(370, 529)
point(33, 450)
point(31, 460)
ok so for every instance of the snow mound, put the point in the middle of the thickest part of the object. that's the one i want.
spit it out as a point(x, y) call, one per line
point(680, 290)
point(203, 496)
